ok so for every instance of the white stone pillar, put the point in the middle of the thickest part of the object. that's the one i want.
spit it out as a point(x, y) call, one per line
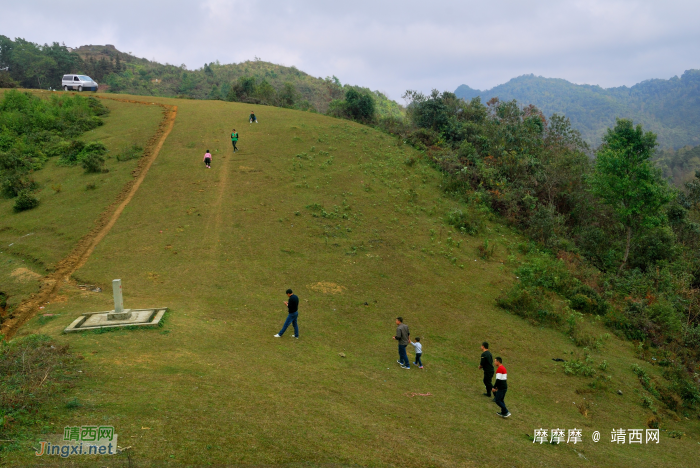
point(118, 301)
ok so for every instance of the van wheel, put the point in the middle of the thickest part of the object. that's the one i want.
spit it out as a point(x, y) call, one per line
point(80, 89)
point(65, 88)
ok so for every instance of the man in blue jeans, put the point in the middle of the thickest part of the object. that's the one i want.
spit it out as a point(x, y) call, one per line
point(293, 309)
point(401, 336)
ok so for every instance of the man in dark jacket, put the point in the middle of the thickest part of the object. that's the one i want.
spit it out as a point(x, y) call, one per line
point(292, 315)
point(401, 336)
point(487, 365)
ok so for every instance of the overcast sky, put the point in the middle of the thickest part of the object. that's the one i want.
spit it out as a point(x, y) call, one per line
point(389, 46)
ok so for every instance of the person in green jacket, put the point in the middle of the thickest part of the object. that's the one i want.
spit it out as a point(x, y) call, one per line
point(234, 139)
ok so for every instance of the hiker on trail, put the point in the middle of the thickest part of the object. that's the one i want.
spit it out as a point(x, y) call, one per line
point(292, 315)
point(207, 159)
point(234, 139)
point(487, 365)
point(500, 388)
point(401, 336)
point(419, 351)
point(252, 118)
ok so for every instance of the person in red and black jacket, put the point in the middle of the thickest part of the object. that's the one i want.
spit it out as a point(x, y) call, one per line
point(500, 388)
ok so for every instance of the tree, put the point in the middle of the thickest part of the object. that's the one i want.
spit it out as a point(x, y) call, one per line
point(265, 93)
point(360, 105)
point(288, 95)
point(625, 179)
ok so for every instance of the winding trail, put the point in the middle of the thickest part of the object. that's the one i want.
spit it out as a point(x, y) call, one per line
point(51, 283)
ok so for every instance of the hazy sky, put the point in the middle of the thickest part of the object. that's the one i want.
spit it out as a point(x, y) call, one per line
point(390, 46)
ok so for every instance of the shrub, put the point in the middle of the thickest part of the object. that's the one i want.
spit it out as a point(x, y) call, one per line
point(25, 201)
point(529, 303)
point(33, 370)
point(462, 221)
point(132, 152)
point(485, 250)
point(69, 152)
point(91, 157)
point(14, 184)
point(576, 367)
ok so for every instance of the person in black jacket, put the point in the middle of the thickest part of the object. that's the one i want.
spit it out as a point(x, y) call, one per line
point(292, 315)
point(487, 365)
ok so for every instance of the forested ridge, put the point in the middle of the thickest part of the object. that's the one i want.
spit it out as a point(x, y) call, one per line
point(670, 108)
point(31, 65)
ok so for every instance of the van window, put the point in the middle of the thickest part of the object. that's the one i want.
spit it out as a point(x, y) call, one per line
point(67, 77)
point(75, 78)
point(85, 78)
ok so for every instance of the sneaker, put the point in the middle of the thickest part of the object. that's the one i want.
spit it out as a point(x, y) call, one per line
point(295, 337)
point(487, 394)
point(420, 367)
point(278, 336)
point(400, 363)
point(507, 415)
point(406, 367)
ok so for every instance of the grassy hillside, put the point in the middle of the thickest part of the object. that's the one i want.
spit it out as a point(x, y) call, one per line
point(354, 222)
point(669, 108)
point(70, 201)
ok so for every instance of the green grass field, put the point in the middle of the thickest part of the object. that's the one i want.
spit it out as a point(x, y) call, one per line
point(332, 210)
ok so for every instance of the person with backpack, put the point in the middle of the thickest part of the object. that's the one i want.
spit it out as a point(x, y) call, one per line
point(234, 139)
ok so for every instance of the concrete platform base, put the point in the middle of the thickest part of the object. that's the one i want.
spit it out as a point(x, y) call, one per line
point(131, 318)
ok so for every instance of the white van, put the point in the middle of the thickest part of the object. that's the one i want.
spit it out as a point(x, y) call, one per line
point(78, 83)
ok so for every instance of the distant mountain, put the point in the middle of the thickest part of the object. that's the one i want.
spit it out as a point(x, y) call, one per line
point(669, 108)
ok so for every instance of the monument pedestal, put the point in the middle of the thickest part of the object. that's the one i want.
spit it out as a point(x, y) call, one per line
point(137, 318)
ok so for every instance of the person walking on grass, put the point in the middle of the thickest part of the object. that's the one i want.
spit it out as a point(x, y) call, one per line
point(500, 388)
point(292, 314)
point(487, 366)
point(234, 139)
point(419, 351)
point(207, 159)
point(252, 118)
point(401, 336)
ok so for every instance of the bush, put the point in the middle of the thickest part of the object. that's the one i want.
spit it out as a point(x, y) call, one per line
point(25, 201)
point(576, 367)
point(464, 222)
point(69, 151)
point(529, 303)
point(91, 157)
point(14, 184)
point(34, 370)
point(133, 152)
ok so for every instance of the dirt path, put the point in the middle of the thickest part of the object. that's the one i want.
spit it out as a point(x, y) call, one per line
point(77, 258)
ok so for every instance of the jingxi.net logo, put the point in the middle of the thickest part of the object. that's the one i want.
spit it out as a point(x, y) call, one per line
point(82, 440)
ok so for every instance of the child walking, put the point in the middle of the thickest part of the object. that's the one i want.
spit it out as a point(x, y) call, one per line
point(207, 159)
point(234, 139)
point(419, 351)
